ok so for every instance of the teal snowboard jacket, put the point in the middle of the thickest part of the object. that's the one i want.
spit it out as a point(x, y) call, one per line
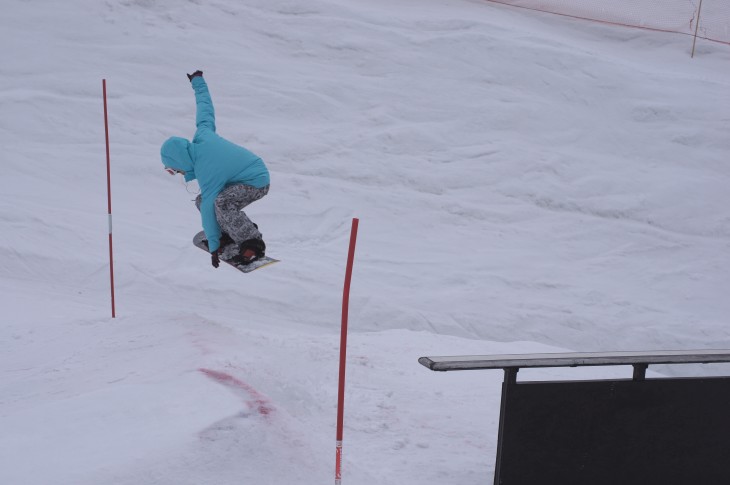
point(214, 161)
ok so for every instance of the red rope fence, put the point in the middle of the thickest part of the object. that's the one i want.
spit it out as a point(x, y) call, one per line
point(674, 16)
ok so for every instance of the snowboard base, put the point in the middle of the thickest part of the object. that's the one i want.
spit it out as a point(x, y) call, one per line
point(230, 250)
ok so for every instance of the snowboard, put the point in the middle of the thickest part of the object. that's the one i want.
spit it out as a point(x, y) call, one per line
point(228, 251)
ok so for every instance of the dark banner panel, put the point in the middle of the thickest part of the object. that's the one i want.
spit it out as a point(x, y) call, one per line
point(618, 432)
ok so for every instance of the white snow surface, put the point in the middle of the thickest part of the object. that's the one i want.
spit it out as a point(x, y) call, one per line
point(524, 183)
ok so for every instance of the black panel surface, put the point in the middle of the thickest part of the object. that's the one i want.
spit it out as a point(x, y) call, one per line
point(657, 431)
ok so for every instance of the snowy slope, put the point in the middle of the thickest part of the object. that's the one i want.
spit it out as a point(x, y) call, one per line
point(523, 182)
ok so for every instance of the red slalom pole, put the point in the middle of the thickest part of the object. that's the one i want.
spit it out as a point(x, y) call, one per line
point(343, 353)
point(109, 197)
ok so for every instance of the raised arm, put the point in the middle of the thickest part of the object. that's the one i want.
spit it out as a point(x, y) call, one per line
point(204, 113)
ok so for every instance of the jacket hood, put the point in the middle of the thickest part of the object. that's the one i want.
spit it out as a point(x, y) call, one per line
point(175, 154)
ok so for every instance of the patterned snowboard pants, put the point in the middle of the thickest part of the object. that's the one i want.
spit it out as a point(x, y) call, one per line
point(229, 211)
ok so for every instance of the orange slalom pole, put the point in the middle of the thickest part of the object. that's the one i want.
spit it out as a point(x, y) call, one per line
point(109, 197)
point(343, 353)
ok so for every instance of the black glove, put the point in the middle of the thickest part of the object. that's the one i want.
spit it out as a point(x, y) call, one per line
point(195, 74)
point(215, 259)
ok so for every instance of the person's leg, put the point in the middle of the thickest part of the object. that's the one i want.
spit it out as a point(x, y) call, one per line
point(225, 238)
point(229, 211)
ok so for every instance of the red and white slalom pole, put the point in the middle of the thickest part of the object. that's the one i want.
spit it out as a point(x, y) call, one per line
point(109, 197)
point(343, 353)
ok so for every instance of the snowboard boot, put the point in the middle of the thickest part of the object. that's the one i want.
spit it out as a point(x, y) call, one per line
point(251, 250)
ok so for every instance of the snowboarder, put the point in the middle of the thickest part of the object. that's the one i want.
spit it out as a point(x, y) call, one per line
point(230, 178)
